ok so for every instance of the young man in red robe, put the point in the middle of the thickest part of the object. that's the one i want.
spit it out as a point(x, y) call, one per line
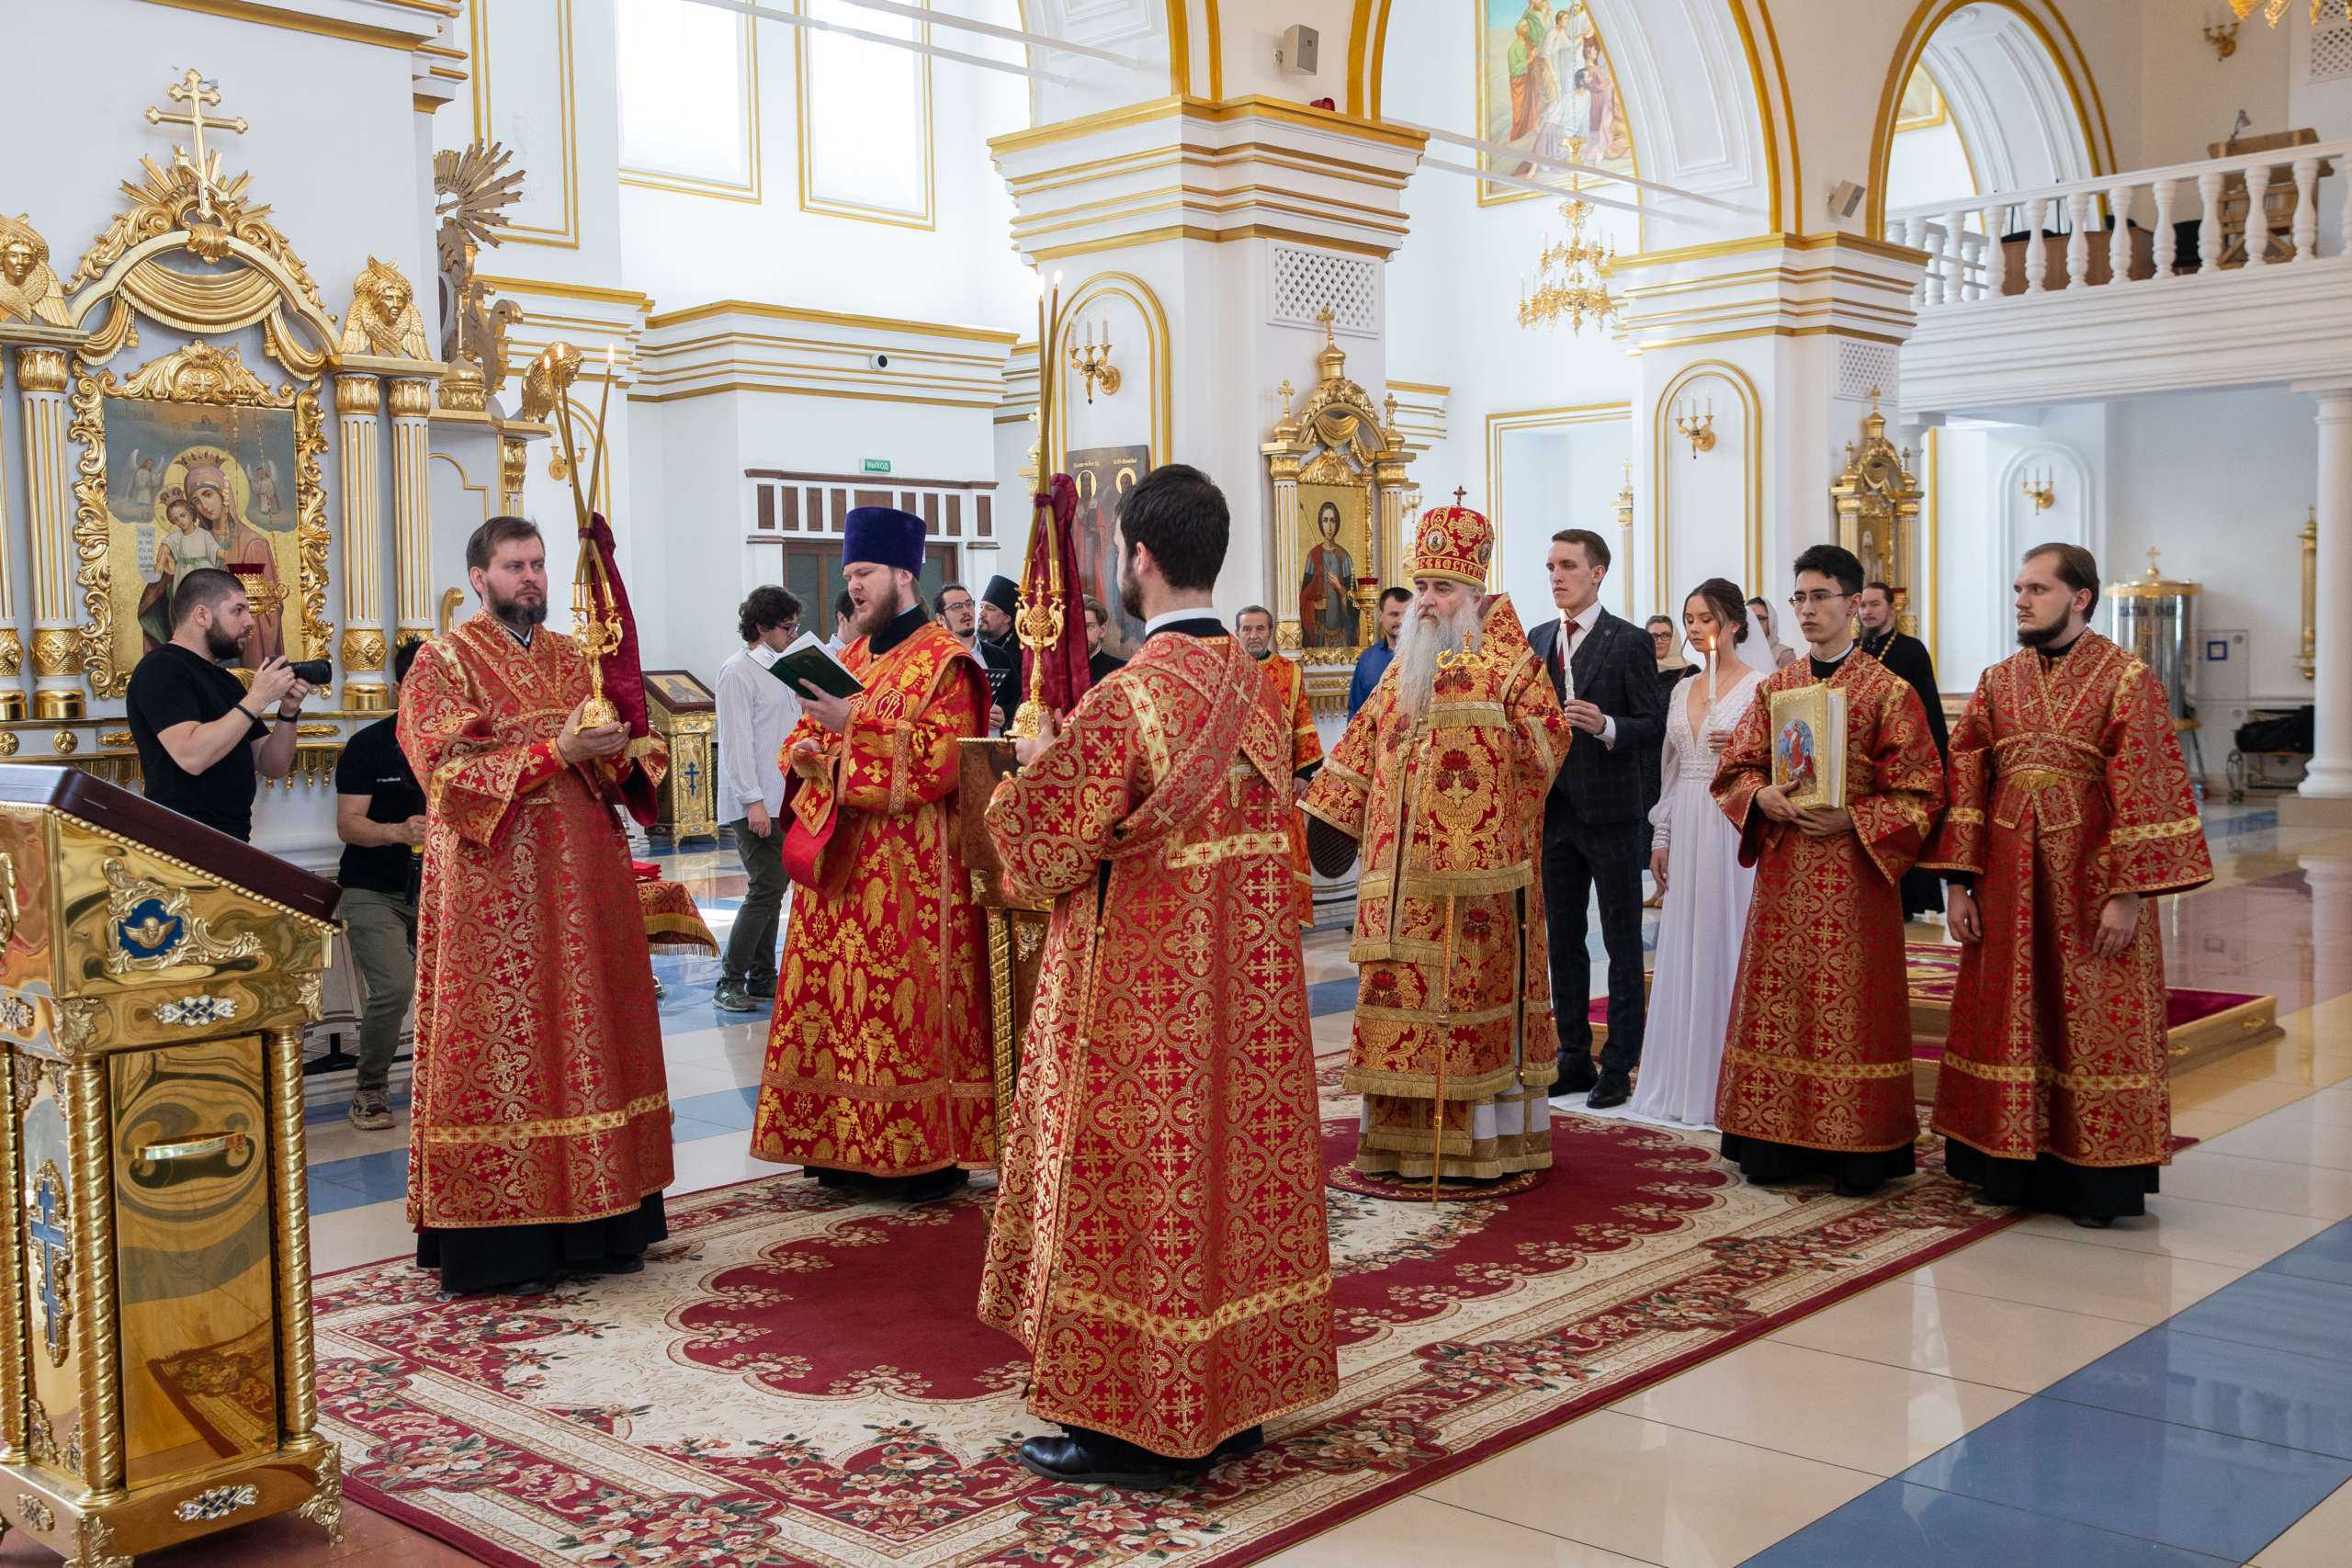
point(1816, 1076)
point(879, 1074)
point(1254, 628)
point(541, 1136)
point(2070, 813)
point(1158, 1242)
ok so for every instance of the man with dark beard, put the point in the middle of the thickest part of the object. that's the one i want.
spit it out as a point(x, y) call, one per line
point(541, 1132)
point(1441, 781)
point(1907, 655)
point(200, 733)
point(879, 1074)
point(2070, 812)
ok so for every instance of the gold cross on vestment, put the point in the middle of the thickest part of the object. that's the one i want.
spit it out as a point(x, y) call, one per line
point(193, 91)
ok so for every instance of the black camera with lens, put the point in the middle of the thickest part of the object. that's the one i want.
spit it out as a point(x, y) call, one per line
point(313, 671)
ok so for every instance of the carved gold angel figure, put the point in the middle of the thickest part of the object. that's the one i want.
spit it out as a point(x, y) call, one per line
point(383, 318)
point(28, 287)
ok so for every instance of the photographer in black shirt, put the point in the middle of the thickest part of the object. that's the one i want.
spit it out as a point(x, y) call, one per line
point(203, 739)
point(379, 817)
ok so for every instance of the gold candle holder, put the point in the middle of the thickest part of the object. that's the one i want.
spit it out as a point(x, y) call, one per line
point(1039, 624)
point(597, 625)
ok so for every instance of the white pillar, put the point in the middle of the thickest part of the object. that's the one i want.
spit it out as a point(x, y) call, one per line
point(2330, 774)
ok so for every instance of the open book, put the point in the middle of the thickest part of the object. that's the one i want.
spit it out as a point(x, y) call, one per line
point(1809, 745)
point(809, 661)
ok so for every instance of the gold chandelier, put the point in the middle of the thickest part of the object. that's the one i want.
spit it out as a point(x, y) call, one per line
point(2274, 9)
point(1568, 276)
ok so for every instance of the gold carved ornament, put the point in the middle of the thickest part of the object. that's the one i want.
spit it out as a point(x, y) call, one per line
point(383, 319)
point(205, 375)
point(2272, 10)
point(30, 290)
point(152, 927)
point(472, 187)
point(1877, 499)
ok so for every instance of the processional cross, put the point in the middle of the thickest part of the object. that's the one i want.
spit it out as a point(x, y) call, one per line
point(195, 93)
point(53, 1246)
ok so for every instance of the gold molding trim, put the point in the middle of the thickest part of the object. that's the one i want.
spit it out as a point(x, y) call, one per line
point(567, 237)
point(597, 292)
point(1213, 237)
point(896, 218)
point(1137, 293)
point(1662, 470)
point(826, 318)
point(1216, 111)
point(1502, 422)
point(1932, 15)
point(301, 22)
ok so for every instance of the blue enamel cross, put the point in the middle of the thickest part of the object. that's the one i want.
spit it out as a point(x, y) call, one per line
point(48, 1232)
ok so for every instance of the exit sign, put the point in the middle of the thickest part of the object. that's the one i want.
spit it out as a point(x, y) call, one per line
point(875, 466)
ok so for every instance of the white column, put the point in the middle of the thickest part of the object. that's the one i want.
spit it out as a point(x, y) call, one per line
point(2037, 259)
point(2330, 774)
point(49, 489)
point(358, 399)
point(2167, 238)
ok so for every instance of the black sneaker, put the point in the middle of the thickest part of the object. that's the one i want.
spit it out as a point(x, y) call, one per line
point(732, 996)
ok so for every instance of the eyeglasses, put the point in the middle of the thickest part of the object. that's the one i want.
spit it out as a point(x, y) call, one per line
point(1818, 596)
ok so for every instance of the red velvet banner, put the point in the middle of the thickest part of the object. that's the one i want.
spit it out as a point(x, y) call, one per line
point(1067, 676)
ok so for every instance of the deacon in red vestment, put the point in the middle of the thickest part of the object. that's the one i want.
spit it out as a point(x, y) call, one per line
point(1158, 1242)
point(2070, 811)
point(1816, 1075)
point(1254, 630)
point(541, 1136)
point(879, 1074)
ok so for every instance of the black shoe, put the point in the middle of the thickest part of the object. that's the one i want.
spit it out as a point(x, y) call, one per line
point(1609, 1089)
point(2095, 1222)
point(829, 1179)
point(1241, 1445)
point(615, 1266)
point(1577, 1077)
point(1846, 1189)
point(538, 1287)
point(732, 996)
point(933, 1185)
point(1072, 1460)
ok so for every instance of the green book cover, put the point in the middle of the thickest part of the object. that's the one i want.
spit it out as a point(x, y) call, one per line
point(810, 663)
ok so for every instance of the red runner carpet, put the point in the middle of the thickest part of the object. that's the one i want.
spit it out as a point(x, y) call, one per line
point(798, 1378)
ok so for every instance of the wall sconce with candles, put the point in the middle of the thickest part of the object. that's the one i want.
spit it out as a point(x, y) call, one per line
point(1699, 431)
point(2041, 493)
point(2225, 40)
point(1095, 363)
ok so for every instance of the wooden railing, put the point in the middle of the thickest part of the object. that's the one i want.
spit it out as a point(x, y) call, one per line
point(2140, 226)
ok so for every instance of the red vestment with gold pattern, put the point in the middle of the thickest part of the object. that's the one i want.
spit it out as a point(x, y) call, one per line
point(1453, 1002)
point(1158, 1242)
point(1817, 1054)
point(1288, 682)
point(539, 1095)
point(2066, 787)
point(879, 1059)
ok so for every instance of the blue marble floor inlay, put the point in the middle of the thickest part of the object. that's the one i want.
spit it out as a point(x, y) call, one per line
point(2221, 1385)
point(1917, 1527)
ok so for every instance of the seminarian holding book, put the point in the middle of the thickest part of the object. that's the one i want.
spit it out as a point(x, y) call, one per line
point(879, 1074)
point(1834, 783)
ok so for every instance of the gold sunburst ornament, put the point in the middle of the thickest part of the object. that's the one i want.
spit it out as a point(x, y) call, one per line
point(1569, 279)
point(2274, 9)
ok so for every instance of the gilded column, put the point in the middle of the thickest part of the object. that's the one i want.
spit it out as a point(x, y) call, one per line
point(412, 505)
point(358, 399)
point(514, 465)
point(49, 491)
point(93, 1279)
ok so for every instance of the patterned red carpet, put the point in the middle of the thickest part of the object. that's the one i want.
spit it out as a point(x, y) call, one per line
point(799, 1379)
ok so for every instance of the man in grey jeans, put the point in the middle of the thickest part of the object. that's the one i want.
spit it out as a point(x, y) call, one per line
point(379, 817)
point(755, 713)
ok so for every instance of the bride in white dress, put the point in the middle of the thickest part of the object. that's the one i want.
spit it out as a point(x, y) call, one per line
point(1694, 858)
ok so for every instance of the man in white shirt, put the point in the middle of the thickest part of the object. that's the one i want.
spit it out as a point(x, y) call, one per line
point(755, 713)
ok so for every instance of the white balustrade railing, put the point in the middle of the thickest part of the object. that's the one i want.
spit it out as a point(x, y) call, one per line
point(2128, 228)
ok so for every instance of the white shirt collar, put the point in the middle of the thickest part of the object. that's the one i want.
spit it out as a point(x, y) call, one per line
point(1571, 625)
point(1169, 618)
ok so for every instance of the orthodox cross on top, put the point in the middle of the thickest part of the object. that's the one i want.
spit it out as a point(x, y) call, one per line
point(193, 91)
point(1459, 491)
point(1323, 318)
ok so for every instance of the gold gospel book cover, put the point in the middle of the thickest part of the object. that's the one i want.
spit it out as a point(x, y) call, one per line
point(1809, 745)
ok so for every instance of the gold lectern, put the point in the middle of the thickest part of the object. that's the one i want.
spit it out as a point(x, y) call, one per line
point(155, 975)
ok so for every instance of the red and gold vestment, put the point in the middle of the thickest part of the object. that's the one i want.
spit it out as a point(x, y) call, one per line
point(879, 1059)
point(2066, 787)
point(1158, 1242)
point(1288, 682)
point(539, 1095)
point(1817, 1054)
point(1454, 1001)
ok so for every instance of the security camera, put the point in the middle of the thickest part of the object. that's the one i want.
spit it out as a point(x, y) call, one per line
point(877, 362)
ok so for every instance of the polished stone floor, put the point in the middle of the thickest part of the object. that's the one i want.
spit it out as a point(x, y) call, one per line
point(2175, 1390)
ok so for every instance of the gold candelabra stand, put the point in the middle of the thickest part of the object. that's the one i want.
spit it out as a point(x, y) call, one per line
point(595, 618)
point(1039, 622)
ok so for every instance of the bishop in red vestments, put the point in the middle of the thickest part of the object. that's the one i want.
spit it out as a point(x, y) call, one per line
point(1254, 628)
point(541, 1136)
point(879, 1073)
point(1159, 1243)
point(1816, 1075)
point(2070, 812)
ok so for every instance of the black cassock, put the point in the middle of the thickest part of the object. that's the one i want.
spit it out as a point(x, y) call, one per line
point(1907, 655)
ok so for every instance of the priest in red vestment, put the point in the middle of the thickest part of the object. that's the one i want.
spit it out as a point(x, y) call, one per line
point(879, 1073)
point(1816, 1076)
point(1254, 628)
point(541, 1137)
point(1158, 1242)
point(2070, 813)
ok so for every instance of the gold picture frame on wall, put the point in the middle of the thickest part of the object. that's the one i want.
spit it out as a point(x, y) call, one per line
point(190, 461)
point(1334, 544)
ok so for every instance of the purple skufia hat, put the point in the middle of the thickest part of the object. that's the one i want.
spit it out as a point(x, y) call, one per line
point(884, 536)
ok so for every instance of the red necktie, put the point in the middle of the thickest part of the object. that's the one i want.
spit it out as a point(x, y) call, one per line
point(1560, 656)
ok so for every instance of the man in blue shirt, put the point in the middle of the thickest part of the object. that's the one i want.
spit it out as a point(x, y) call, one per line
point(1373, 662)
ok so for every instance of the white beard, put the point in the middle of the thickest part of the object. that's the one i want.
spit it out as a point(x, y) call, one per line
point(1420, 643)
